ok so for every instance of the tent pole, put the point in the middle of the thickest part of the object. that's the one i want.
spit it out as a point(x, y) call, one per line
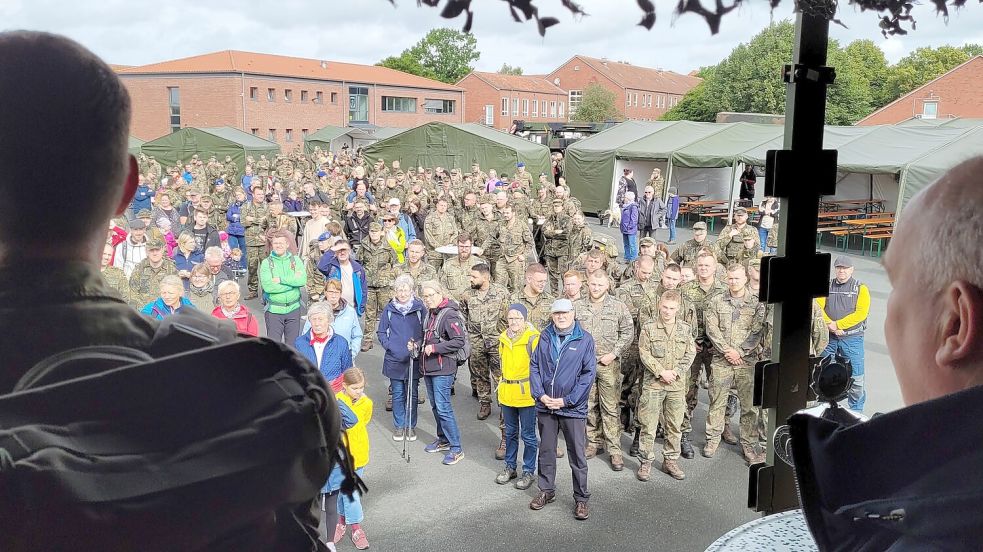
point(730, 200)
point(665, 193)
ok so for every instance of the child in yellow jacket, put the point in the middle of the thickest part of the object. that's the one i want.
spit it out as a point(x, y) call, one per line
point(357, 437)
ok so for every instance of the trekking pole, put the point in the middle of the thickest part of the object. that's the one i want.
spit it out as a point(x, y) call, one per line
point(408, 420)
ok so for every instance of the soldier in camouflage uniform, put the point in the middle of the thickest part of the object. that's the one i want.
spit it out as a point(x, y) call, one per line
point(535, 297)
point(666, 348)
point(439, 229)
point(732, 319)
point(455, 274)
point(540, 210)
point(556, 231)
point(231, 169)
point(255, 219)
point(379, 262)
point(633, 293)
point(147, 274)
point(114, 276)
point(487, 235)
point(214, 169)
point(467, 214)
point(263, 166)
point(658, 183)
point(484, 312)
point(608, 320)
point(730, 242)
point(751, 250)
point(685, 254)
point(515, 239)
point(523, 177)
point(315, 278)
point(698, 293)
point(416, 265)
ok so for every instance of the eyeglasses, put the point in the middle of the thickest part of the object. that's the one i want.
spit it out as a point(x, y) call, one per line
point(431, 294)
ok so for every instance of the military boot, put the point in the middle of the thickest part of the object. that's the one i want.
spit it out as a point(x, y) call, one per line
point(500, 451)
point(484, 410)
point(672, 468)
point(728, 435)
point(591, 450)
point(710, 448)
point(686, 447)
point(659, 432)
point(633, 449)
point(617, 462)
point(731, 407)
point(751, 456)
point(644, 471)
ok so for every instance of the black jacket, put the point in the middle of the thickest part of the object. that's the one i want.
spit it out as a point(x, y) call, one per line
point(357, 229)
point(447, 338)
point(908, 480)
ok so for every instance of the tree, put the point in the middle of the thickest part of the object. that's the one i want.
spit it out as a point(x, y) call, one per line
point(921, 66)
point(868, 62)
point(597, 105)
point(699, 104)
point(443, 54)
point(509, 70)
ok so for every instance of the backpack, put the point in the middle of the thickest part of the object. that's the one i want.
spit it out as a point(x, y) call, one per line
point(464, 353)
point(202, 442)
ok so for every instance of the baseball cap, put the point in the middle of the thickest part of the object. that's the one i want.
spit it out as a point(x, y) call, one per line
point(646, 241)
point(155, 243)
point(137, 224)
point(740, 211)
point(700, 226)
point(561, 305)
point(323, 237)
point(520, 165)
point(843, 261)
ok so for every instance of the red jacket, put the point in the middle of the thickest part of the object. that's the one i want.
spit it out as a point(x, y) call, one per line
point(116, 236)
point(245, 322)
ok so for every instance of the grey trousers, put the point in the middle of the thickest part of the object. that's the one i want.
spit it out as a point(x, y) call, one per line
point(283, 327)
point(575, 434)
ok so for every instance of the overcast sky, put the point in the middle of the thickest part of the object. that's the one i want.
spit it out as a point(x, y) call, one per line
point(131, 32)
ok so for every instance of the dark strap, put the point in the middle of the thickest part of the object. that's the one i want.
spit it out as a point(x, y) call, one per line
point(515, 382)
point(83, 360)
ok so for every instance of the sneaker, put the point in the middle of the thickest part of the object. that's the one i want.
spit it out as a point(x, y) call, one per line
point(452, 458)
point(728, 435)
point(359, 540)
point(541, 500)
point(525, 481)
point(398, 434)
point(644, 471)
point(508, 474)
point(437, 446)
point(411, 434)
point(580, 512)
point(339, 532)
point(672, 468)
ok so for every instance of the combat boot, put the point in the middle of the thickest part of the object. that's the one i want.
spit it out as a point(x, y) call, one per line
point(591, 450)
point(672, 468)
point(617, 462)
point(728, 435)
point(633, 449)
point(484, 410)
point(710, 448)
point(731, 406)
point(659, 432)
point(644, 471)
point(751, 456)
point(500, 451)
point(686, 447)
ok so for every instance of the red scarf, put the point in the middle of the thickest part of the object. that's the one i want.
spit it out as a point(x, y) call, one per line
point(316, 339)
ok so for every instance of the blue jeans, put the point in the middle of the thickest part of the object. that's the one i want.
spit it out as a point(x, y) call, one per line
point(851, 347)
point(763, 238)
point(631, 246)
point(672, 229)
point(524, 419)
point(238, 241)
point(350, 509)
point(399, 402)
point(439, 392)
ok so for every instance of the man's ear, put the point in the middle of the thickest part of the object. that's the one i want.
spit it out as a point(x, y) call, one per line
point(960, 327)
point(129, 187)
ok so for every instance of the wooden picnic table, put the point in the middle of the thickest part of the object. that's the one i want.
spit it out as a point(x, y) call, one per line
point(870, 221)
point(868, 205)
point(691, 197)
point(840, 214)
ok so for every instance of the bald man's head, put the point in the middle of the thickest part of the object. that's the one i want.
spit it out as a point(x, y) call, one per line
point(64, 124)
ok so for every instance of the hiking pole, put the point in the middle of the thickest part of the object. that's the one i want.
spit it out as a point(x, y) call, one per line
point(408, 413)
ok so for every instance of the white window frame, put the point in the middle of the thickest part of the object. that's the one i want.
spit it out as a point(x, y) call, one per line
point(925, 113)
point(505, 107)
point(525, 107)
point(553, 109)
point(634, 99)
point(560, 110)
point(515, 107)
point(535, 108)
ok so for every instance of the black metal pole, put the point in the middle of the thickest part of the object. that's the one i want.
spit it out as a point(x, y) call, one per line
point(799, 174)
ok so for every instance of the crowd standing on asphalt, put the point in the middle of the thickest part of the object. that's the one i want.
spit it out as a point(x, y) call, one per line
point(452, 267)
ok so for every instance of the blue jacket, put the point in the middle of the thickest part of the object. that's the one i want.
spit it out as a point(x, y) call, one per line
point(337, 476)
point(395, 331)
point(141, 200)
point(235, 224)
point(158, 310)
point(246, 182)
point(292, 205)
point(673, 207)
point(346, 325)
point(563, 368)
point(187, 262)
point(629, 219)
point(336, 357)
point(331, 268)
point(407, 226)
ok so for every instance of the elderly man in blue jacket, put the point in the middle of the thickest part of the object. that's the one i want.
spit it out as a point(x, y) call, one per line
point(337, 264)
point(561, 372)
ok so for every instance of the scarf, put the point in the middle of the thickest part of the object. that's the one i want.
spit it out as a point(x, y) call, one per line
point(403, 308)
point(231, 314)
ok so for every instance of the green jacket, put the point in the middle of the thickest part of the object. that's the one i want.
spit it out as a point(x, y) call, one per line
point(282, 297)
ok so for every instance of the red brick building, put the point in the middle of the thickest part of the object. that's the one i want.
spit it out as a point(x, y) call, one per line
point(643, 94)
point(954, 94)
point(496, 100)
point(281, 98)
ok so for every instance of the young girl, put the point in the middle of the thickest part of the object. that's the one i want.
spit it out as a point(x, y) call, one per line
point(357, 437)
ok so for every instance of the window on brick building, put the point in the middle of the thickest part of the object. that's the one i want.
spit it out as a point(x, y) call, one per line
point(254, 93)
point(319, 97)
point(535, 108)
point(930, 110)
point(358, 104)
point(525, 108)
point(289, 134)
point(334, 97)
point(304, 132)
point(553, 109)
point(560, 111)
point(288, 95)
point(255, 132)
point(399, 105)
point(271, 94)
point(505, 107)
point(574, 97)
point(438, 106)
point(515, 107)
point(271, 135)
point(303, 96)
point(634, 99)
point(174, 105)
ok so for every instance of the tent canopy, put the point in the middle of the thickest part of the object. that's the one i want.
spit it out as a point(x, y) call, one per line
point(134, 145)
point(205, 142)
point(460, 145)
point(720, 149)
point(932, 165)
point(332, 138)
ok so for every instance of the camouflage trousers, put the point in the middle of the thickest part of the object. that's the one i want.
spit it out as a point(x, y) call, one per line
point(555, 267)
point(602, 408)
point(485, 366)
point(631, 369)
point(375, 303)
point(511, 274)
point(436, 260)
point(665, 404)
point(723, 376)
point(701, 362)
point(254, 254)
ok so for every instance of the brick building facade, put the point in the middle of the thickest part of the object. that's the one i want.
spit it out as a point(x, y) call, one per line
point(954, 94)
point(496, 100)
point(281, 98)
point(642, 94)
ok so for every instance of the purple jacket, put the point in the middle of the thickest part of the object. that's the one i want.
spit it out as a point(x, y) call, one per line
point(629, 219)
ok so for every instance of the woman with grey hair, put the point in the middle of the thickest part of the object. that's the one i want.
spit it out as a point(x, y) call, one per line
point(323, 347)
point(230, 308)
point(171, 299)
point(400, 331)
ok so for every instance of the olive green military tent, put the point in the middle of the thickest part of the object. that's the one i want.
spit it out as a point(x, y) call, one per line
point(134, 145)
point(205, 142)
point(458, 146)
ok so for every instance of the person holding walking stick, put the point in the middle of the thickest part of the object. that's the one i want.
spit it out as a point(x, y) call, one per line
point(400, 330)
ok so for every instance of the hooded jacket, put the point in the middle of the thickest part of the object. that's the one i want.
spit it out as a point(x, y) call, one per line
point(335, 359)
point(395, 331)
point(447, 335)
point(563, 367)
point(863, 488)
point(515, 355)
point(157, 309)
point(331, 268)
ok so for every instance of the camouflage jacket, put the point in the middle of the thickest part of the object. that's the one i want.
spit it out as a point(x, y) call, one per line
point(730, 321)
point(116, 279)
point(455, 276)
point(685, 254)
point(578, 241)
point(487, 238)
point(538, 309)
point(145, 280)
point(255, 229)
point(379, 261)
point(634, 295)
point(515, 239)
point(659, 349)
point(609, 322)
point(439, 230)
point(423, 272)
point(556, 230)
point(484, 312)
point(315, 278)
point(699, 298)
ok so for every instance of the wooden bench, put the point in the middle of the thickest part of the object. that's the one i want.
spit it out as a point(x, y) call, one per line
point(830, 229)
point(712, 216)
point(877, 236)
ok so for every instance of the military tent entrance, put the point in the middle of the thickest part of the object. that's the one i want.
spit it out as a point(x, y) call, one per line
point(332, 138)
point(458, 146)
point(206, 142)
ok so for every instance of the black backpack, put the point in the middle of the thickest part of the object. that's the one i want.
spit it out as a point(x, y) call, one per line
point(204, 442)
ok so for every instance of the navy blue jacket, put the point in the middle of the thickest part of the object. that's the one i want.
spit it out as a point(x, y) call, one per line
point(235, 224)
point(336, 358)
point(141, 200)
point(563, 368)
point(395, 331)
point(331, 268)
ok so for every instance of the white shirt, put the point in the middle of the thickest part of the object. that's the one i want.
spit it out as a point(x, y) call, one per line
point(135, 252)
point(348, 283)
point(319, 347)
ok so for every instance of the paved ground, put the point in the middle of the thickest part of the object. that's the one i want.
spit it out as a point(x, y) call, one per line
point(422, 504)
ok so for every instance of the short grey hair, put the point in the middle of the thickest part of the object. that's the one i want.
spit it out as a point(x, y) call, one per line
point(227, 285)
point(172, 280)
point(404, 280)
point(321, 307)
point(215, 253)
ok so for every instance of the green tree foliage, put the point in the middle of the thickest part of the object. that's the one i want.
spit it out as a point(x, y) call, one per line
point(973, 50)
point(597, 105)
point(443, 54)
point(923, 65)
point(868, 63)
point(510, 70)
